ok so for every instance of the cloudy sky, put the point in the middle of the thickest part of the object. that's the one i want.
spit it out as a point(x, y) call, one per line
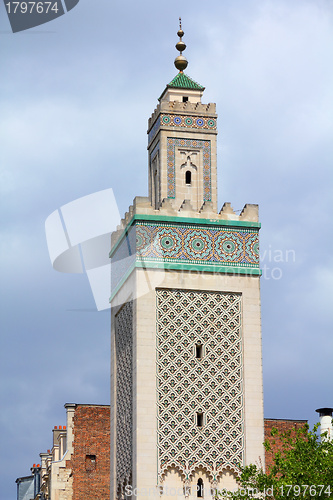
point(76, 95)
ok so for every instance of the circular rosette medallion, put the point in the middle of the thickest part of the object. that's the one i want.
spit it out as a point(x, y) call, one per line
point(198, 245)
point(143, 240)
point(167, 242)
point(252, 249)
point(166, 120)
point(229, 247)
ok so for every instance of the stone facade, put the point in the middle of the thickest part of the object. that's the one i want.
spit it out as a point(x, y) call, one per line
point(186, 367)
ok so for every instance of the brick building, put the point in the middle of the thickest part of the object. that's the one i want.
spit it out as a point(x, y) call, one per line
point(90, 462)
point(281, 425)
point(77, 466)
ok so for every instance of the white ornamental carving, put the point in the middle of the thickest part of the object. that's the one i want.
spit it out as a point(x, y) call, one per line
point(124, 398)
point(199, 381)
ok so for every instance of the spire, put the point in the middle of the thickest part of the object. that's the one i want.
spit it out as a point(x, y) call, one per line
point(180, 61)
point(181, 80)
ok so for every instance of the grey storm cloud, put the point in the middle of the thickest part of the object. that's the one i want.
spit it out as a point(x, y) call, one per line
point(76, 95)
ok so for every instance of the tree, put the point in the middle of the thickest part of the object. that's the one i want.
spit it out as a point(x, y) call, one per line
point(303, 469)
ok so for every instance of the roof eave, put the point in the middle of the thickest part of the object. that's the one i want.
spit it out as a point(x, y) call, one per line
point(201, 89)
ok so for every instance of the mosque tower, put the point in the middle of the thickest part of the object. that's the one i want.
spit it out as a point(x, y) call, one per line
point(186, 366)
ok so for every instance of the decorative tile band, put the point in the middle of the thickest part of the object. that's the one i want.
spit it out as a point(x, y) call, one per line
point(188, 121)
point(183, 121)
point(186, 246)
point(172, 143)
point(197, 244)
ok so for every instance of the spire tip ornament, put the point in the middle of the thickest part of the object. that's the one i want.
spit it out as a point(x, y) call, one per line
point(180, 61)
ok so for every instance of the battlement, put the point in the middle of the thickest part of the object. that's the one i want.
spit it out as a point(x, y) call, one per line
point(142, 206)
point(185, 108)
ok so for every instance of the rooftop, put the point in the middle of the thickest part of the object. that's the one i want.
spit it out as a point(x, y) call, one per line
point(182, 81)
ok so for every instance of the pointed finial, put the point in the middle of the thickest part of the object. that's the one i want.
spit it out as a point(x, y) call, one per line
point(180, 33)
point(180, 61)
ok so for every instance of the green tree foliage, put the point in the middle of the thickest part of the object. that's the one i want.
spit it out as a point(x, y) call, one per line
point(303, 469)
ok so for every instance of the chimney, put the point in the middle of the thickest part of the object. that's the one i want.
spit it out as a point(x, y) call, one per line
point(325, 415)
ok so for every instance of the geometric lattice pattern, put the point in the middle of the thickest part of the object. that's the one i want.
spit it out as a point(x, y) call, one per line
point(210, 385)
point(171, 174)
point(197, 244)
point(124, 398)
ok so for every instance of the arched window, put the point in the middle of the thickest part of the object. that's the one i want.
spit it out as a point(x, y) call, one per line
point(188, 177)
point(200, 488)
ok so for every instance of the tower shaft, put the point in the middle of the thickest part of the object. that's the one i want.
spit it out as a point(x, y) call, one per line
point(186, 372)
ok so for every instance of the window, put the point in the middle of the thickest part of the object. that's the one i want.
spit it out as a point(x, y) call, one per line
point(200, 419)
point(188, 177)
point(185, 98)
point(200, 488)
point(90, 463)
point(199, 351)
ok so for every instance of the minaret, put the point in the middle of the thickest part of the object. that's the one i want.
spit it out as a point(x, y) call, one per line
point(182, 143)
point(186, 372)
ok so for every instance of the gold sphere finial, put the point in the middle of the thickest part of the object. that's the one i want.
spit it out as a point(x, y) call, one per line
point(180, 61)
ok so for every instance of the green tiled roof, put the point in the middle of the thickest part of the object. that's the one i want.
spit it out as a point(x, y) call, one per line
point(182, 81)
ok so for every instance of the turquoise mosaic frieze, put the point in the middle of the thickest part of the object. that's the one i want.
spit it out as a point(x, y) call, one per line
point(182, 121)
point(195, 244)
point(173, 245)
point(188, 121)
point(172, 143)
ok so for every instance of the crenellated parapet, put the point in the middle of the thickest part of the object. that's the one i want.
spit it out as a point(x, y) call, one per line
point(227, 215)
